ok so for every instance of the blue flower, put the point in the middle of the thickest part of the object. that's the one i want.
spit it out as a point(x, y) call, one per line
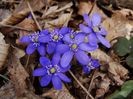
point(94, 30)
point(33, 43)
point(93, 64)
point(74, 47)
point(55, 38)
point(51, 71)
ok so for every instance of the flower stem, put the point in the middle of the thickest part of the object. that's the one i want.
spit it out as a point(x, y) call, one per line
point(81, 85)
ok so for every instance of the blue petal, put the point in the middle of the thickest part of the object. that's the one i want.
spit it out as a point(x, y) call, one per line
point(25, 39)
point(87, 47)
point(63, 77)
point(41, 50)
point(63, 70)
point(44, 32)
point(96, 19)
point(79, 38)
point(62, 48)
point(85, 29)
point(82, 57)
point(86, 69)
point(87, 19)
point(39, 72)
point(44, 38)
point(63, 30)
point(45, 80)
point(56, 82)
point(92, 39)
point(103, 31)
point(67, 38)
point(103, 40)
point(66, 59)
point(30, 48)
point(56, 59)
point(51, 47)
point(44, 61)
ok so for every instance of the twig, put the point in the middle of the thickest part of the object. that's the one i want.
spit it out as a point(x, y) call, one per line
point(33, 16)
point(81, 85)
point(92, 78)
point(92, 7)
point(5, 77)
point(15, 27)
point(27, 61)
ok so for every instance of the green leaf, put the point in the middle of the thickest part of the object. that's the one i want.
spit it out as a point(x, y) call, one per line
point(122, 46)
point(131, 44)
point(129, 60)
point(126, 90)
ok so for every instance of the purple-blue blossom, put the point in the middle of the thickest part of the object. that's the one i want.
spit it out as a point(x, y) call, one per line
point(33, 43)
point(54, 38)
point(74, 47)
point(95, 32)
point(52, 71)
point(93, 64)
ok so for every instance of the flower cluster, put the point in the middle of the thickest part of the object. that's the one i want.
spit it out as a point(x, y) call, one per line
point(64, 44)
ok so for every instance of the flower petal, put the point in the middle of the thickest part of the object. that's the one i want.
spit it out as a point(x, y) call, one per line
point(51, 47)
point(63, 70)
point(44, 39)
point(25, 39)
point(86, 69)
point(62, 48)
point(79, 38)
point(45, 80)
point(63, 77)
point(82, 57)
point(92, 39)
point(85, 29)
point(56, 82)
point(44, 61)
point(39, 72)
point(63, 30)
point(56, 59)
point(87, 19)
point(30, 48)
point(87, 47)
point(67, 38)
point(103, 40)
point(41, 50)
point(66, 59)
point(44, 32)
point(103, 31)
point(96, 19)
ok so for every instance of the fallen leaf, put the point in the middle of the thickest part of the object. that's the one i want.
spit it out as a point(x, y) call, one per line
point(62, 94)
point(3, 51)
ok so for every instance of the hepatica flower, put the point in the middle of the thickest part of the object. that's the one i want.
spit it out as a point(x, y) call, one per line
point(75, 47)
point(93, 64)
point(51, 71)
point(33, 43)
point(94, 30)
point(54, 38)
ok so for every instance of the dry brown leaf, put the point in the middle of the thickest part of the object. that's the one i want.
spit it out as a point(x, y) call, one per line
point(118, 25)
point(17, 73)
point(103, 87)
point(116, 71)
point(85, 7)
point(22, 11)
point(61, 21)
point(62, 94)
point(3, 50)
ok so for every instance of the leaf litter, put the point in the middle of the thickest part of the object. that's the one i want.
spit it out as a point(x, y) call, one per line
point(50, 14)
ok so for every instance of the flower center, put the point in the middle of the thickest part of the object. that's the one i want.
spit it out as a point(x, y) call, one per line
point(52, 70)
point(96, 29)
point(86, 40)
point(72, 36)
point(74, 46)
point(56, 37)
